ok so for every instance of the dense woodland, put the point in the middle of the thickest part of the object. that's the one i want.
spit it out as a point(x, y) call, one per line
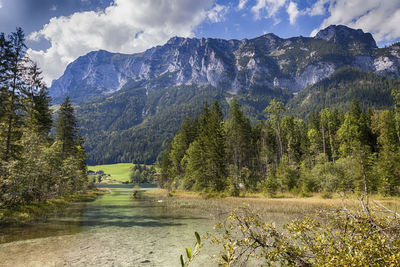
point(334, 151)
point(36, 162)
point(142, 174)
point(132, 126)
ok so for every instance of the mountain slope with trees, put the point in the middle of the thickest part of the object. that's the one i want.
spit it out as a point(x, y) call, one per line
point(335, 151)
point(129, 106)
point(339, 89)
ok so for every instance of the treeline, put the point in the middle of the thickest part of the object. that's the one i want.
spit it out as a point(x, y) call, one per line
point(340, 88)
point(35, 164)
point(142, 174)
point(333, 152)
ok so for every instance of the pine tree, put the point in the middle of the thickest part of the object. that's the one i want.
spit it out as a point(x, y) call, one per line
point(4, 44)
point(37, 102)
point(275, 112)
point(216, 156)
point(387, 166)
point(205, 160)
point(66, 129)
point(13, 67)
point(179, 145)
point(239, 143)
point(396, 98)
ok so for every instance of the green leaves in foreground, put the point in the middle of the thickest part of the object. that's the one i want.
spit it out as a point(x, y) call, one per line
point(366, 235)
point(191, 256)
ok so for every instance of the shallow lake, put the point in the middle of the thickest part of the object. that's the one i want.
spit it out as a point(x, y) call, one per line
point(113, 230)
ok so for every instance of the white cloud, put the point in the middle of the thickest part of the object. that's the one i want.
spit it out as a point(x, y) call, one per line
point(242, 3)
point(270, 7)
point(381, 18)
point(293, 12)
point(319, 8)
point(1, 4)
point(314, 32)
point(53, 8)
point(217, 14)
point(126, 26)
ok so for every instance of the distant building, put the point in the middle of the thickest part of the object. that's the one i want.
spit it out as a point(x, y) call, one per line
point(100, 172)
point(90, 172)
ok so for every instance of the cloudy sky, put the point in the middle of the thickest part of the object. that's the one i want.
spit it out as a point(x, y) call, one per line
point(59, 31)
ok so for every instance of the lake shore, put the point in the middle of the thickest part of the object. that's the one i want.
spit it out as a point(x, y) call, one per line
point(40, 211)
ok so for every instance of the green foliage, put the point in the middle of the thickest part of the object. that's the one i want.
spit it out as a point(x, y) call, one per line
point(12, 85)
point(339, 89)
point(271, 185)
point(135, 191)
point(66, 129)
point(340, 176)
point(191, 256)
point(33, 166)
point(240, 148)
point(132, 126)
point(205, 161)
point(387, 166)
point(142, 174)
point(119, 172)
point(334, 152)
point(359, 237)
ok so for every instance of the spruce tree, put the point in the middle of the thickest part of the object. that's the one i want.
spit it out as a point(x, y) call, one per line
point(66, 129)
point(215, 144)
point(12, 79)
point(239, 143)
point(205, 160)
point(37, 102)
point(275, 112)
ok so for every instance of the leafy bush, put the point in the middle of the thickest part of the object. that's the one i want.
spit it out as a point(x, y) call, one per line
point(367, 236)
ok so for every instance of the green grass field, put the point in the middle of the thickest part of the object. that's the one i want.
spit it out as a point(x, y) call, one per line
point(120, 172)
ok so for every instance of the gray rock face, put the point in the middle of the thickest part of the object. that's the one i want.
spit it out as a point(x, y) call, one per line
point(232, 65)
point(346, 36)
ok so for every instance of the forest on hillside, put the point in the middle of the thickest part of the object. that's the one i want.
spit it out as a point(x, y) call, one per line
point(335, 151)
point(133, 126)
point(37, 161)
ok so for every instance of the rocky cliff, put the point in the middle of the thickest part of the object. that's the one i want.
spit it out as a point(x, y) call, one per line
point(230, 65)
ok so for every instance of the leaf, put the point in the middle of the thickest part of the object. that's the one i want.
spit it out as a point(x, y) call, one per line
point(189, 253)
point(182, 261)
point(197, 237)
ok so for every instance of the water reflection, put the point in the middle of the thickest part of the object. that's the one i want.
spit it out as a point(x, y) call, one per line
point(112, 210)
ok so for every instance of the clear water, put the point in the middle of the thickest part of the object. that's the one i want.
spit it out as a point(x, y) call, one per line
point(114, 230)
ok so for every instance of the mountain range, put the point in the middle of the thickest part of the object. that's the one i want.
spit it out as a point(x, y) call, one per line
point(129, 105)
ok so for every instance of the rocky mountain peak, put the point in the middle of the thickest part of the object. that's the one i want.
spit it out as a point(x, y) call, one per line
point(346, 36)
point(176, 40)
point(267, 62)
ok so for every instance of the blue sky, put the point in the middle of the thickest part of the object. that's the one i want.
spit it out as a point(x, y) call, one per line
point(59, 31)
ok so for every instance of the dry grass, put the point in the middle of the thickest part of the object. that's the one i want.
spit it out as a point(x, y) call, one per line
point(280, 210)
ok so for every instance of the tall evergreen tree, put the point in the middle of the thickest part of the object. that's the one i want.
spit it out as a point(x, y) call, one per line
point(13, 65)
point(4, 45)
point(275, 112)
point(66, 129)
point(387, 166)
point(37, 101)
point(396, 97)
point(239, 143)
point(205, 160)
point(179, 145)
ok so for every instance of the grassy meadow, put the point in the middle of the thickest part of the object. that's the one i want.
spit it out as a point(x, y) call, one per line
point(119, 172)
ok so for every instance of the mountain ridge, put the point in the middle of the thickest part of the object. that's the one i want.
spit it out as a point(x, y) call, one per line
point(234, 65)
point(129, 105)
